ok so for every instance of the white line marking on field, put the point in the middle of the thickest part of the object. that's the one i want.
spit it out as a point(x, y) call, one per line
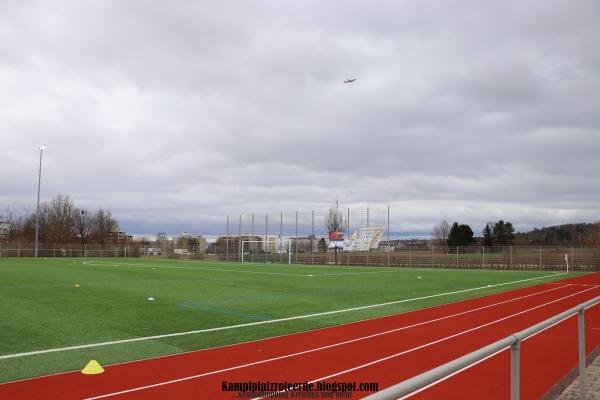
point(97, 263)
point(271, 321)
point(391, 270)
point(131, 265)
point(354, 340)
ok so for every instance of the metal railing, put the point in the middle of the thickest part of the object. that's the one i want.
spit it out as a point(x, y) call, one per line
point(513, 341)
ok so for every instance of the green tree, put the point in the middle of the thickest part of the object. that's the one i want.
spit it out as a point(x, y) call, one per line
point(504, 233)
point(488, 236)
point(460, 235)
point(499, 234)
point(509, 233)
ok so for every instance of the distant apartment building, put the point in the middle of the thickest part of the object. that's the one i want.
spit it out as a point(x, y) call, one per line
point(119, 236)
point(188, 244)
point(304, 244)
point(151, 251)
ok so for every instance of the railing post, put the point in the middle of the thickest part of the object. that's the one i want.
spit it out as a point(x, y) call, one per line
point(581, 331)
point(515, 370)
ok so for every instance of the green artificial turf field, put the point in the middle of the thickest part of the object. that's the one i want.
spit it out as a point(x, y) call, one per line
point(42, 308)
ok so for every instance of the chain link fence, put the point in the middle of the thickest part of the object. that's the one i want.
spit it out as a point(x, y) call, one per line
point(302, 237)
point(56, 250)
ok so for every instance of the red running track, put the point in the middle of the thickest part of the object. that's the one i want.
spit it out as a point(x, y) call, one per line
point(385, 350)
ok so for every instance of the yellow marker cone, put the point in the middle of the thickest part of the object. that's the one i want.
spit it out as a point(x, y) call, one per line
point(92, 368)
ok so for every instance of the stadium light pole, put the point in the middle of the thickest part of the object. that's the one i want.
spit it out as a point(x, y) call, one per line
point(37, 213)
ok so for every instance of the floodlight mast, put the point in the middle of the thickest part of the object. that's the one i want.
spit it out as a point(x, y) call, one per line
point(37, 213)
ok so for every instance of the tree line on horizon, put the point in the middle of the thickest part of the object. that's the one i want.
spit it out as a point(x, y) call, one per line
point(60, 221)
point(502, 233)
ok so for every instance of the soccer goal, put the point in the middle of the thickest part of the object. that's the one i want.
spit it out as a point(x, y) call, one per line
point(254, 251)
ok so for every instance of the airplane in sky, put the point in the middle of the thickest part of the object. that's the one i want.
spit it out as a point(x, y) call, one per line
point(349, 80)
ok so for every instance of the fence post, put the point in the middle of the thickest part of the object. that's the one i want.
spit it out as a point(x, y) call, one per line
point(253, 244)
point(581, 332)
point(54, 250)
point(457, 256)
point(409, 256)
point(19, 250)
point(227, 242)
point(296, 241)
point(388, 235)
point(515, 370)
point(511, 260)
point(348, 235)
point(312, 237)
point(540, 257)
point(483, 252)
point(572, 259)
point(266, 237)
point(369, 249)
point(279, 249)
point(240, 249)
point(432, 254)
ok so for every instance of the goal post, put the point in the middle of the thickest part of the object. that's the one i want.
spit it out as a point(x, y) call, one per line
point(250, 248)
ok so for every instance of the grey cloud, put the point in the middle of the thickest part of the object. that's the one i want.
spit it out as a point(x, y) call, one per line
point(176, 114)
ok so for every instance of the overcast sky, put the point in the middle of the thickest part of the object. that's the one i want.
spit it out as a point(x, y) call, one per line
point(173, 114)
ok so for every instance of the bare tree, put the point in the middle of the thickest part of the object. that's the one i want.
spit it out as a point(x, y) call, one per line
point(82, 224)
point(103, 225)
point(336, 222)
point(440, 233)
point(8, 223)
point(58, 218)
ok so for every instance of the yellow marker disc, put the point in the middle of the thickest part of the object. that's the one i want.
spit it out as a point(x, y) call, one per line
point(92, 368)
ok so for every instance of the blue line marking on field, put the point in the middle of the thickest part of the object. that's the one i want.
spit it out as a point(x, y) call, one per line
point(221, 311)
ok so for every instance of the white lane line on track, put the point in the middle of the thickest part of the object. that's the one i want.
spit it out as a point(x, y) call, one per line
point(430, 343)
point(449, 376)
point(334, 344)
point(492, 355)
point(478, 362)
point(271, 321)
